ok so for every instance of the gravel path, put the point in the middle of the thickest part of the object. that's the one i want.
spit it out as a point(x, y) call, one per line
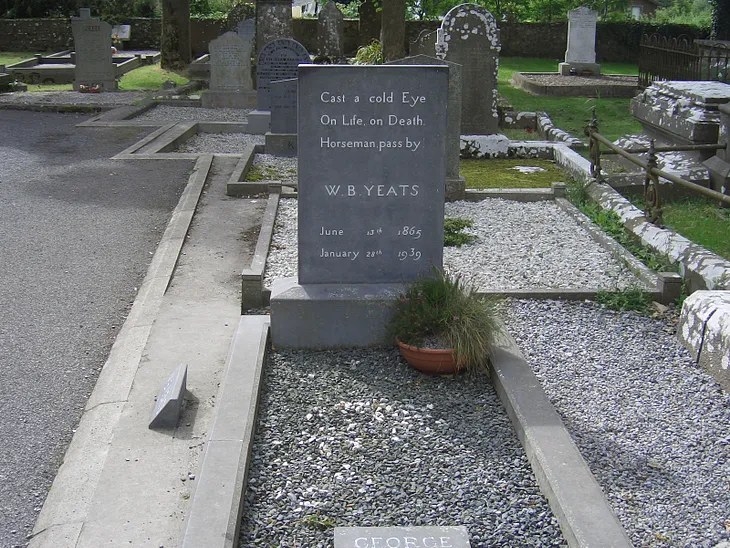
point(172, 114)
point(220, 143)
point(519, 245)
point(358, 438)
point(652, 427)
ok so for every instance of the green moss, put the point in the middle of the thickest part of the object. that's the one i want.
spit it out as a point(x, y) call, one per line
point(502, 173)
point(257, 173)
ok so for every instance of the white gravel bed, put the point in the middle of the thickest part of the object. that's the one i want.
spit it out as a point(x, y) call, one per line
point(281, 168)
point(653, 428)
point(171, 114)
point(519, 245)
point(358, 438)
point(220, 143)
point(106, 99)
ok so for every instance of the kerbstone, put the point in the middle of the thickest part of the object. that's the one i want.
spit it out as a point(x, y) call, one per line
point(415, 537)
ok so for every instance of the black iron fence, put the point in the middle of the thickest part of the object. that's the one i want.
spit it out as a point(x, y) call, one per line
point(664, 58)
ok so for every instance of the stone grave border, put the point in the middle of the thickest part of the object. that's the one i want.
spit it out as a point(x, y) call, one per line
point(599, 88)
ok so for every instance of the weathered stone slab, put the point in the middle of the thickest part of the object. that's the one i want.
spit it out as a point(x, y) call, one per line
point(330, 32)
point(231, 85)
point(371, 172)
point(273, 21)
point(580, 54)
point(469, 36)
point(284, 106)
point(401, 537)
point(453, 127)
point(278, 60)
point(170, 399)
point(93, 47)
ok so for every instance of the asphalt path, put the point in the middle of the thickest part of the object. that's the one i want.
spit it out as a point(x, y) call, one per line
point(77, 232)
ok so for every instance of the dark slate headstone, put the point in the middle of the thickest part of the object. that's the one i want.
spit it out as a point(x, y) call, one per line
point(371, 173)
point(368, 22)
point(93, 45)
point(425, 44)
point(273, 21)
point(284, 106)
point(170, 399)
point(278, 60)
point(330, 31)
point(470, 37)
point(402, 537)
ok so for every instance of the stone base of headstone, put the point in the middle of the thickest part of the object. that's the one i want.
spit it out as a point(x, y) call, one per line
point(577, 69)
point(259, 121)
point(331, 315)
point(455, 189)
point(228, 99)
point(281, 144)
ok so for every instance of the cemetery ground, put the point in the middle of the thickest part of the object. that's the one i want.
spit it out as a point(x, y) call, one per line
point(650, 424)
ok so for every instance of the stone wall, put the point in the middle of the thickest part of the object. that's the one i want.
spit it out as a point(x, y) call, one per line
point(614, 41)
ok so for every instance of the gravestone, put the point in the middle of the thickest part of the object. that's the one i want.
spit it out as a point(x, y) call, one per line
point(425, 44)
point(371, 199)
point(369, 22)
point(123, 32)
point(330, 32)
point(282, 139)
point(455, 185)
point(402, 537)
point(273, 21)
point(230, 74)
point(246, 29)
point(93, 55)
point(278, 60)
point(469, 36)
point(580, 56)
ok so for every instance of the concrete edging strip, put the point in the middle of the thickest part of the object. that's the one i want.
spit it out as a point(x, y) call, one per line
point(67, 506)
point(584, 514)
point(252, 278)
point(215, 510)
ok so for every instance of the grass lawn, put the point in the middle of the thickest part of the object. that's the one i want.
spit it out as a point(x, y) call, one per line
point(12, 57)
point(569, 113)
point(698, 219)
point(503, 173)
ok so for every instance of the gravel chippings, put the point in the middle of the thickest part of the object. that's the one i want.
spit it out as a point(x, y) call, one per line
point(653, 428)
point(530, 245)
point(278, 168)
point(519, 246)
point(171, 114)
point(358, 438)
point(219, 143)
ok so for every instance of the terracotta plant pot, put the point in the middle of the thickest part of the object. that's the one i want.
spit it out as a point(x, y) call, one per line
point(435, 361)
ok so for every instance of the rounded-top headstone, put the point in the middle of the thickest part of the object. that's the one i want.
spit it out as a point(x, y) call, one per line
point(277, 60)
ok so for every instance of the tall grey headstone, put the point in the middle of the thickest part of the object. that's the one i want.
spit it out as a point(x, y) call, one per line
point(425, 44)
point(278, 60)
point(454, 183)
point(369, 22)
point(273, 21)
point(231, 85)
point(330, 31)
point(469, 36)
point(93, 47)
point(282, 139)
point(581, 52)
point(371, 172)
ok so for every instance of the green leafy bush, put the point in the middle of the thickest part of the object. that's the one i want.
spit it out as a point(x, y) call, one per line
point(453, 235)
point(372, 54)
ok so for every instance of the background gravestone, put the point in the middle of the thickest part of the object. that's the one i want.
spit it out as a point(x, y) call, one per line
point(455, 185)
point(369, 22)
point(330, 29)
point(581, 52)
point(230, 73)
point(278, 60)
point(282, 139)
point(93, 47)
point(469, 36)
point(246, 29)
point(273, 20)
point(425, 44)
point(371, 173)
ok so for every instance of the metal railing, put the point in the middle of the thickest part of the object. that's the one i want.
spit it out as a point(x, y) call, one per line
point(664, 58)
point(652, 198)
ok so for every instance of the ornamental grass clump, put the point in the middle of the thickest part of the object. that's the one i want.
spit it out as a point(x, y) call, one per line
point(446, 312)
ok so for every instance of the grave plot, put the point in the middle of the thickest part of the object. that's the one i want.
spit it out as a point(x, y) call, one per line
point(267, 167)
point(518, 246)
point(219, 143)
point(169, 114)
point(356, 438)
point(651, 426)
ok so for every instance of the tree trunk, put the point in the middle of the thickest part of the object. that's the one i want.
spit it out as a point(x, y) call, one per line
point(721, 19)
point(175, 43)
point(393, 29)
